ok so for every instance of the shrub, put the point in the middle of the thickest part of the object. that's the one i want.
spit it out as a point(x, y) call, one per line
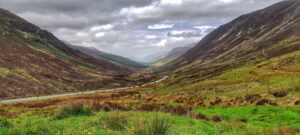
point(241, 119)
point(279, 94)
point(217, 118)
point(297, 102)
point(114, 121)
point(265, 102)
point(4, 123)
point(106, 108)
point(156, 126)
point(75, 109)
point(177, 110)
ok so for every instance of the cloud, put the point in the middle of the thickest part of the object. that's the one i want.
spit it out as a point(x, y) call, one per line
point(204, 27)
point(102, 27)
point(171, 2)
point(184, 34)
point(100, 34)
point(132, 28)
point(151, 37)
point(161, 43)
point(160, 26)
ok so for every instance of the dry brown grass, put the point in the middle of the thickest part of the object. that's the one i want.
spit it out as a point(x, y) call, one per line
point(281, 131)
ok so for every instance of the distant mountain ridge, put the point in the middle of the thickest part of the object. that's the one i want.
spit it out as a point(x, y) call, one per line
point(172, 55)
point(94, 52)
point(154, 57)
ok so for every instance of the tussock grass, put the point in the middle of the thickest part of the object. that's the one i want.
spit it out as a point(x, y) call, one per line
point(74, 109)
point(156, 126)
point(260, 121)
point(4, 123)
point(114, 121)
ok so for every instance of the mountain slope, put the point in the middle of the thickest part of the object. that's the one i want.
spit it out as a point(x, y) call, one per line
point(34, 62)
point(107, 56)
point(249, 36)
point(173, 54)
point(154, 57)
point(254, 59)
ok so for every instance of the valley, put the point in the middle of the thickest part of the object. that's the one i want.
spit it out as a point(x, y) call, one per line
point(242, 78)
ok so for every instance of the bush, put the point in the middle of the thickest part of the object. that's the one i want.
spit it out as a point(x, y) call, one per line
point(114, 121)
point(241, 119)
point(4, 123)
point(73, 110)
point(156, 126)
point(217, 118)
point(280, 94)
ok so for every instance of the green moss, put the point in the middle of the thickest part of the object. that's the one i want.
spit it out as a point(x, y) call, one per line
point(174, 104)
point(4, 72)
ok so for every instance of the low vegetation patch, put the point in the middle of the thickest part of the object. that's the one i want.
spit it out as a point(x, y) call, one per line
point(156, 126)
point(4, 123)
point(280, 93)
point(75, 109)
point(114, 121)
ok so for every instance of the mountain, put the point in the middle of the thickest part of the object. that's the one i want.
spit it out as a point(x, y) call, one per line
point(34, 62)
point(94, 52)
point(250, 60)
point(269, 32)
point(172, 55)
point(154, 57)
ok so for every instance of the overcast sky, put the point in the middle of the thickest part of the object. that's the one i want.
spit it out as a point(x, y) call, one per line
point(131, 28)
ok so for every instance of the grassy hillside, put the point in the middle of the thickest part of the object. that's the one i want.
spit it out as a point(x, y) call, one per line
point(275, 80)
point(172, 55)
point(124, 61)
point(107, 56)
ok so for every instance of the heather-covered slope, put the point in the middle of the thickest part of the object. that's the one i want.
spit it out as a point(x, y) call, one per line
point(269, 32)
point(253, 60)
point(35, 62)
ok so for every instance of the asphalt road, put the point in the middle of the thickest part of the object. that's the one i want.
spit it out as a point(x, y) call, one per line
point(75, 93)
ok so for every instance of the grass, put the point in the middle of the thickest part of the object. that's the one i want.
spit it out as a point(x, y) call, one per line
point(114, 121)
point(4, 123)
point(261, 116)
point(260, 120)
point(156, 126)
point(237, 74)
point(75, 109)
point(259, 76)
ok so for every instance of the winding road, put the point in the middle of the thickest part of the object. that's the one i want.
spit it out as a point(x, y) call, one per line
point(75, 93)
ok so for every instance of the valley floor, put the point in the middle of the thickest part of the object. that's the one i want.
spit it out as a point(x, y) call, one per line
point(131, 113)
point(265, 120)
point(261, 97)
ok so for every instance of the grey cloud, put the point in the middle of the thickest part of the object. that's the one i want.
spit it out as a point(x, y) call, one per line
point(185, 34)
point(71, 20)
